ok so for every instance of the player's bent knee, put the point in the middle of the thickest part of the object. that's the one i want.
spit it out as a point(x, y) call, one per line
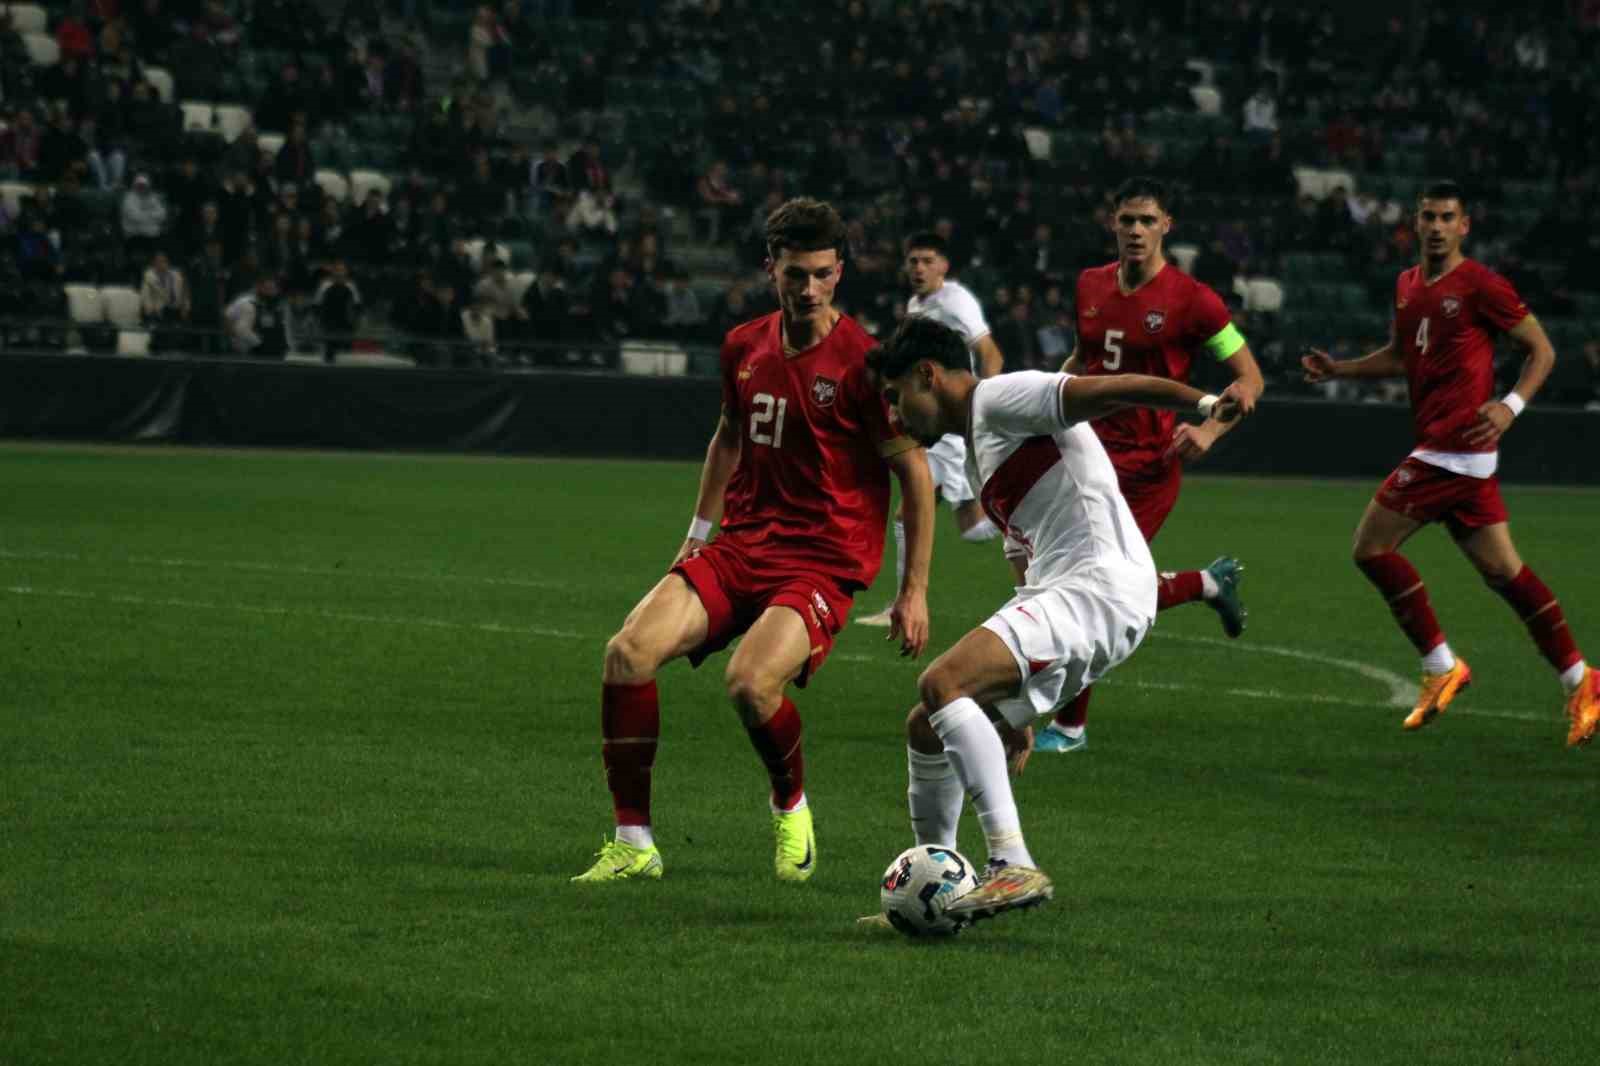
point(920, 734)
point(938, 686)
point(627, 662)
point(755, 695)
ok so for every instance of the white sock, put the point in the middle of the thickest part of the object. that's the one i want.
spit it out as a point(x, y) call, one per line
point(1208, 586)
point(899, 556)
point(635, 836)
point(979, 759)
point(1440, 660)
point(1572, 676)
point(934, 797)
point(1073, 731)
point(799, 803)
point(984, 530)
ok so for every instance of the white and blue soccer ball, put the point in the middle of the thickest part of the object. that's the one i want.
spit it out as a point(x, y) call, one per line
point(920, 883)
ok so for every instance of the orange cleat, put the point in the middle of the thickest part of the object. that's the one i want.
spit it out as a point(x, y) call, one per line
point(1583, 709)
point(1437, 692)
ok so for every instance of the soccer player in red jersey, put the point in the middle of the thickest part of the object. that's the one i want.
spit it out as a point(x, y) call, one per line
point(797, 477)
point(1445, 313)
point(1141, 316)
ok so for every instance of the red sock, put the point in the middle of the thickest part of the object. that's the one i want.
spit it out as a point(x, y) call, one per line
point(1536, 605)
point(777, 741)
point(1407, 597)
point(630, 723)
point(1076, 713)
point(1175, 589)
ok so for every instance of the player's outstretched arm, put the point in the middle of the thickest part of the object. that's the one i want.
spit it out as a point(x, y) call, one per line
point(1495, 417)
point(722, 457)
point(1084, 399)
point(1386, 362)
point(1191, 442)
point(908, 617)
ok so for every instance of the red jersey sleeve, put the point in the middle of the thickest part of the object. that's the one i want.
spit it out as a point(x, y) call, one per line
point(731, 356)
point(1498, 302)
point(1208, 315)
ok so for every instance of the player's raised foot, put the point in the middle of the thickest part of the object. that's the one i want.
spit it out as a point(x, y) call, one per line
point(1230, 609)
point(1003, 888)
point(1437, 692)
point(1058, 741)
point(796, 857)
point(617, 861)
point(1583, 709)
point(877, 619)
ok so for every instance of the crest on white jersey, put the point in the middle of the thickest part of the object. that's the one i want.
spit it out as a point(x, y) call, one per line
point(1450, 306)
point(1154, 320)
point(823, 390)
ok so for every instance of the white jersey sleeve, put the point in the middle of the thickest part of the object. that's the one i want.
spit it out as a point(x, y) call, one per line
point(1026, 403)
point(968, 314)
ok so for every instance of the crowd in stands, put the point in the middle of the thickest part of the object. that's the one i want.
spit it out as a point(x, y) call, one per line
point(558, 177)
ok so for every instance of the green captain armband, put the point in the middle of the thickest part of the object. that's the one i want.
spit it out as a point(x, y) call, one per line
point(1227, 341)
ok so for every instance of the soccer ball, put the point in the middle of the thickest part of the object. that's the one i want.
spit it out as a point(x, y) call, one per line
point(920, 883)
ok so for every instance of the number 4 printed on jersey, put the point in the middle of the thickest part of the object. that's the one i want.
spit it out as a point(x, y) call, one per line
point(1422, 336)
point(765, 408)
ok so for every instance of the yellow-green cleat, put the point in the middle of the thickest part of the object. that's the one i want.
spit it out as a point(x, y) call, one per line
point(796, 856)
point(619, 862)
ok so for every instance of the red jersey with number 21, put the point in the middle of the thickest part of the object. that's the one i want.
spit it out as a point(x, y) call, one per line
point(1156, 330)
point(811, 490)
point(1444, 332)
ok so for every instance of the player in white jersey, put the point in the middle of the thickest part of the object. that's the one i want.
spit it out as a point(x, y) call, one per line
point(1086, 585)
point(937, 296)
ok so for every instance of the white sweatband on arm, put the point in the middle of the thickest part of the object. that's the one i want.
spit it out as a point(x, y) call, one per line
point(1514, 403)
point(1207, 402)
point(700, 528)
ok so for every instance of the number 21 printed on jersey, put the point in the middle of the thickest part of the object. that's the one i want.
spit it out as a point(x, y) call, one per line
point(767, 409)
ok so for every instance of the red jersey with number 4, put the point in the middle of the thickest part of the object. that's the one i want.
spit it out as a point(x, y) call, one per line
point(1444, 332)
point(1156, 330)
point(811, 491)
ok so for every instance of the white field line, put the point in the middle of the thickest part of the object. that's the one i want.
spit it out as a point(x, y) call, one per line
point(281, 568)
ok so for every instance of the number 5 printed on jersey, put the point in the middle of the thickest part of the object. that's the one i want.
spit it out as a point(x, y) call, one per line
point(765, 407)
point(1113, 358)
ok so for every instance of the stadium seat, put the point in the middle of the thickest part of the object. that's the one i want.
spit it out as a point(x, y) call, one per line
point(364, 181)
point(160, 79)
point(520, 282)
point(1204, 68)
point(1185, 254)
point(232, 120)
point(198, 115)
point(1038, 142)
point(1339, 179)
point(133, 342)
point(28, 18)
point(83, 304)
point(41, 49)
point(1263, 294)
point(334, 185)
point(121, 305)
point(1206, 100)
point(371, 359)
point(654, 358)
point(478, 250)
point(269, 142)
point(12, 193)
point(1310, 181)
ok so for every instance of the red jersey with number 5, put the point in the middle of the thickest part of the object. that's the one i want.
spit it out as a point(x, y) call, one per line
point(811, 491)
point(1444, 332)
point(1156, 330)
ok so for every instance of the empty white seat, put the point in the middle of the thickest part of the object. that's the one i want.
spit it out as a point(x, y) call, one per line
point(133, 342)
point(1338, 179)
point(520, 282)
point(1206, 100)
point(160, 79)
point(1311, 183)
point(1263, 294)
point(334, 185)
point(12, 193)
point(1038, 142)
point(269, 142)
point(121, 305)
point(197, 115)
point(232, 120)
point(364, 181)
point(42, 49)
point(1204, 68)
point(1185, 255)
point(83, 304)
point(28, 18)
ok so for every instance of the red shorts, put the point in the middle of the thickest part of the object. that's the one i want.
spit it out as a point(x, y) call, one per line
point(1151, 489)
point(735, 588)
point(1427, 493)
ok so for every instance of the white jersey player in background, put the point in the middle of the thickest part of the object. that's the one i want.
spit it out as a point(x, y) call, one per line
point(1086, 584)
point(937, 296)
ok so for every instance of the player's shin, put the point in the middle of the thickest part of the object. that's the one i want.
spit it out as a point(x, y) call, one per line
point(934, 797)
point(630, 725)
point(777, 741)
point(1173, 590)
point(979, 759)
point(1402, 588)
point(1541, 612)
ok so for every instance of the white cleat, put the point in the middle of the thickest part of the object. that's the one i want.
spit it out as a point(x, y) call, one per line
point(878, 619)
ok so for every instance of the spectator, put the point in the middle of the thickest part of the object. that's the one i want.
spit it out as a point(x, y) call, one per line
point(477, 326)
point(73, 37)
point(717, 198)
point(60, 147)
point(497, 293)
point(682, 318)
point(338, 304)
point(165, 304)
point(548, 308)
point(551, 182)
point(372, 232)
point(586, 170)
point(20, 141)
point(38, 258)
point(259, 324)
point(1018, 338)
point(1261, 111)
point(295, 164)
point(593, 215)
point(144, 218)
point(483, 36)
point(209, 278)
point(107, 162)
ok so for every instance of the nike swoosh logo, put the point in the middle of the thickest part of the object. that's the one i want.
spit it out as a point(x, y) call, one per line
point(805, 864)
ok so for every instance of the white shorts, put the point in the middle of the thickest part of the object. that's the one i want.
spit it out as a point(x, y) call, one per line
point(1066, 637)
point(947, 462)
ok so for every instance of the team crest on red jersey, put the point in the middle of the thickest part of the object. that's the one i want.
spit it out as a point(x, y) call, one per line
point(1403, 475)
point(1154, 320)
point(823, 390)
point(1091, 312)
point(1450, 306)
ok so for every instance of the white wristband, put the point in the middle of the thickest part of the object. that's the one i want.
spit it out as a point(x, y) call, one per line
point(1514, 403)
point(700, 528)
point(1207, 402)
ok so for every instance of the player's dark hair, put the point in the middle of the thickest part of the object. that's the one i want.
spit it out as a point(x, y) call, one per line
point(804, 225)
point(926, 240)
point(919, 338)
point(1144, 188)
point(1444, 190)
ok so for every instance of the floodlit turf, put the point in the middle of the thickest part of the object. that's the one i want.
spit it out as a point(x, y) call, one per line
point(298, 751)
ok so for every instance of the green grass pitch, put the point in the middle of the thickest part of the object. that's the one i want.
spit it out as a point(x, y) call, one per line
point(298, 751)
